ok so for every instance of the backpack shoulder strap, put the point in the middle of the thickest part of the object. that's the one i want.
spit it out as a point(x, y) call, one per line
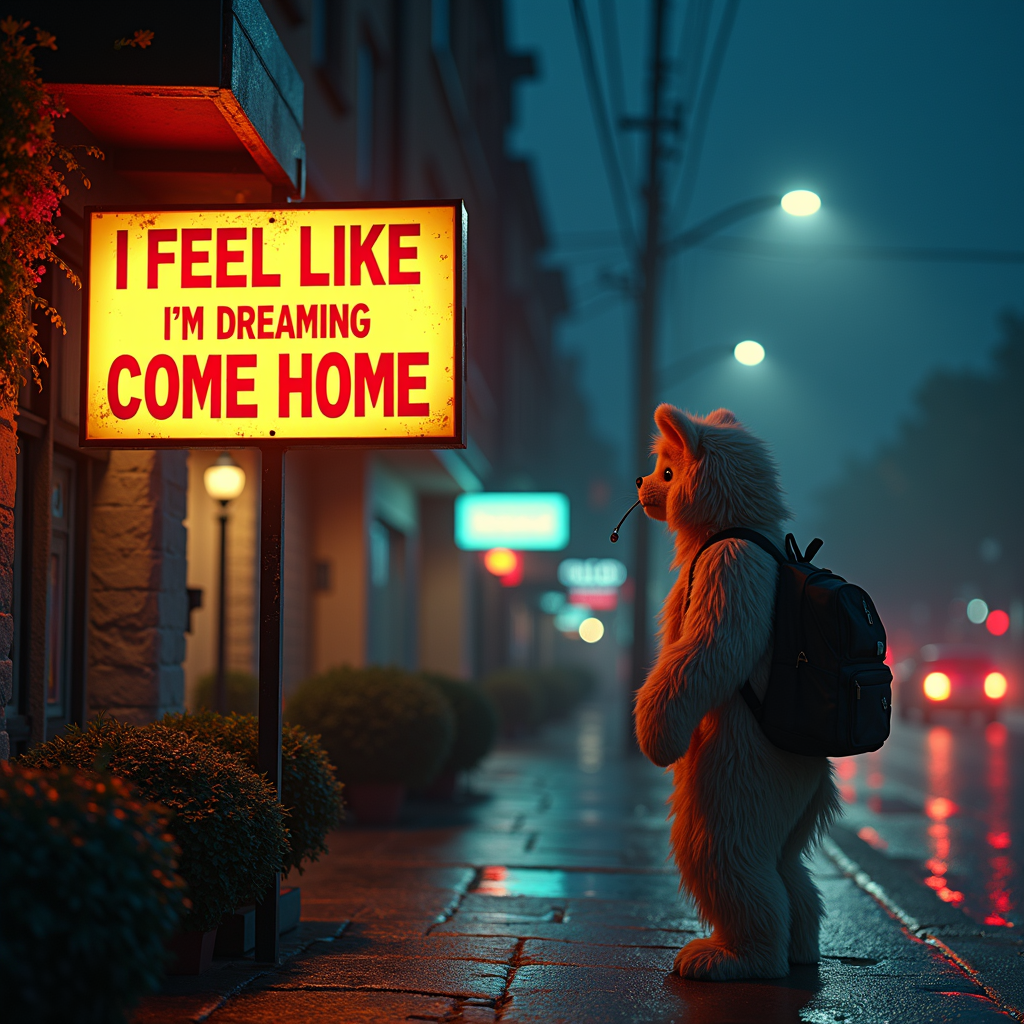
point(738, 533)
point(733, 533)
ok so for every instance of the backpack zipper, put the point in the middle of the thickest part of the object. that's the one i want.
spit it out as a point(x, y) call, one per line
point(858, 689)
point(871, 621)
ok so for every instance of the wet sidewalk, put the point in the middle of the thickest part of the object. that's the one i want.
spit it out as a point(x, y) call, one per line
point(546, 896)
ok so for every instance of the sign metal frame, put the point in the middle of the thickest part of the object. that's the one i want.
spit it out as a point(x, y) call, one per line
point(460, 232)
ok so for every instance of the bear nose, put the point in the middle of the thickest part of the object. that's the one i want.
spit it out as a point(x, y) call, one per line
point(639, 481)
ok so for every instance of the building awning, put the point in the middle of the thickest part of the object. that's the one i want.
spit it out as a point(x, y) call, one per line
point(192, 85)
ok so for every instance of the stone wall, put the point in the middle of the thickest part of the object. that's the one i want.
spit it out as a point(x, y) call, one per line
point(8, 482)
point(138, 604)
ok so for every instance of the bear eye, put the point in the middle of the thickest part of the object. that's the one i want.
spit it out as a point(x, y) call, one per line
point(668, 472)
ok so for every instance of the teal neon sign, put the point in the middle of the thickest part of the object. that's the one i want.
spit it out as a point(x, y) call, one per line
point(522, 521)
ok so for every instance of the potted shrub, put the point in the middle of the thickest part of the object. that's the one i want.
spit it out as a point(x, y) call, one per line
point(90, 893)
point(383, 728)
point(519, 697)
point(243, 693)
point(225, 818)
point(476, 727)
point(311, 795)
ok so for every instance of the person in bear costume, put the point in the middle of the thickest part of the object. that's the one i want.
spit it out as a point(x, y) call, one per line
point(744, 811)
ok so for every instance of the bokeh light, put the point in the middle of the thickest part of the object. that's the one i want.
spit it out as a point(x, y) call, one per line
point(749, 353)
point(998, 622)
point(501, 561)
point(591, 630)
point(977, 611)
point(936, 686)
point(995, 685)
point(801, 203)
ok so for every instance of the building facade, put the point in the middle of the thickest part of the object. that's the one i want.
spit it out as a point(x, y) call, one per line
point(113, 587)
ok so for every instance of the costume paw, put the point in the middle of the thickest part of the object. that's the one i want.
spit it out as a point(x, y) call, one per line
point(709, 960)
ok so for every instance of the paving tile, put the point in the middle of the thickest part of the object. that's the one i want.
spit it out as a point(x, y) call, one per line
point(856, 926)
point(427, 975)
point(585, 954)
point(600, 995)
point(569, 932)
point(498, 950)
point(325, 1007)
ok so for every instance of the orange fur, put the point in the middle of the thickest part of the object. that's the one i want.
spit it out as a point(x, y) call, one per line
point(744, 811)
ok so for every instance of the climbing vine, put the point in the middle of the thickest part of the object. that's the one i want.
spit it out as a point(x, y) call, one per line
point(31, 188)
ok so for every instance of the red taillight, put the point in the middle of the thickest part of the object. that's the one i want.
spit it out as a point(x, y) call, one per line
point(995, 685)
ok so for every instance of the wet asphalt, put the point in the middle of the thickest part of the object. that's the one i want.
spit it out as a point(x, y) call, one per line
point(544, 894)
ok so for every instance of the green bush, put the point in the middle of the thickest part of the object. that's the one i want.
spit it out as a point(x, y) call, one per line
point(226, 818)
point(243, 693)
point(89, 893)
point(519, 697)
point(309, 791)
point(476, 722)
point(376, 724)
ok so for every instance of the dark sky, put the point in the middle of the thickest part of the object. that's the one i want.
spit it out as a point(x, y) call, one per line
point(905, 117)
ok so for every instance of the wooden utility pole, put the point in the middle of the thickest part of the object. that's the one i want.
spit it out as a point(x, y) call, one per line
point(654, 124)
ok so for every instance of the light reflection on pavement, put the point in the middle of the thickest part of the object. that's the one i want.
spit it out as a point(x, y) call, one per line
point(944, 796)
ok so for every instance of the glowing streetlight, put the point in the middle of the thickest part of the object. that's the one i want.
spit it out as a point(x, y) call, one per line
point(224, 481)
point(801, 203)
point(749, 353)
point(591, 630)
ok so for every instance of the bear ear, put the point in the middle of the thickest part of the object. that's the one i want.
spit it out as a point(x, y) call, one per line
point(722, 418)
point(677, 427)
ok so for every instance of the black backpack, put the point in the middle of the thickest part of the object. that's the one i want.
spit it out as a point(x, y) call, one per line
point(830, 691)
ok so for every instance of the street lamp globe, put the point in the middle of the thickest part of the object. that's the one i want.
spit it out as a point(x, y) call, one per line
point(749, 353)
point(801, 203)
point(225, 479)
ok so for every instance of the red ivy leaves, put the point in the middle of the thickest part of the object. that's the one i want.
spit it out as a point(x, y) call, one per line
point(31, 189)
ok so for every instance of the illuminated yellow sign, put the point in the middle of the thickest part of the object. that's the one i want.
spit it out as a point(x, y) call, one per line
point(338, 324)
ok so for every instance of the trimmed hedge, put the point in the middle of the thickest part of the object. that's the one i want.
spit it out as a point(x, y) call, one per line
point(527, 698)
point(311, 795)
point(226, 818)
point(89, 893)
point(476, 722)
point(376, 724)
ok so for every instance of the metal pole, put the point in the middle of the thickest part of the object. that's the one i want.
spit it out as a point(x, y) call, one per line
point(221, 687)
point(647, 330)
point(270, 702)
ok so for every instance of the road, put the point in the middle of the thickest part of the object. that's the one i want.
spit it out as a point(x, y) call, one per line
point(947, 798)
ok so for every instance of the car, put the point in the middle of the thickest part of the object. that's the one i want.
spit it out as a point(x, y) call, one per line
point(953, 677)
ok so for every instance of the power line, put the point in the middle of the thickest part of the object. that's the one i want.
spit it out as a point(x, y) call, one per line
point(702, 110)
point(692, 44)
point(613, 62)
point(609, 152)
point(901, 253)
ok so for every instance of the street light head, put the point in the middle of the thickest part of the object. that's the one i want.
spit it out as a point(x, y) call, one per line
point(224, 480)
point(801, 203)
point(749, 353)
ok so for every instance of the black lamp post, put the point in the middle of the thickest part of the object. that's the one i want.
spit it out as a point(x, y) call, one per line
point(224, 481)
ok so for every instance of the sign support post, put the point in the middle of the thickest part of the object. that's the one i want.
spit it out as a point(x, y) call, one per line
point(270, 692)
